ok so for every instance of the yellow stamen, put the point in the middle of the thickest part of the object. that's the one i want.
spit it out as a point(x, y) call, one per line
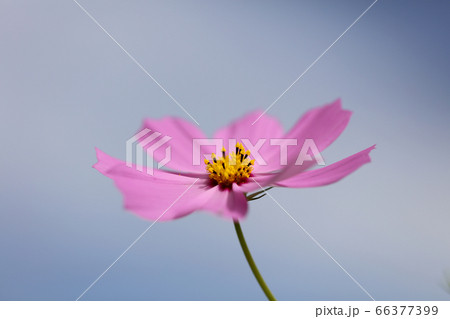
point(232, 168)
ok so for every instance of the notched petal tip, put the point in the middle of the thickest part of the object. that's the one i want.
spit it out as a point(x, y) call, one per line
point(367, 152)
point(104, 161)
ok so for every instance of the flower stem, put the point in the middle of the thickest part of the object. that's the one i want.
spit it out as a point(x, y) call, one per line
point(251, 262)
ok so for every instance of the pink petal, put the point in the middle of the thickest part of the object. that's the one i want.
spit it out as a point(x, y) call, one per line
point(329, 174)
point(228, 203)
point(323, 125)
point(167, 196)
point(182, 133)
point(256, 182)
point(266, 128)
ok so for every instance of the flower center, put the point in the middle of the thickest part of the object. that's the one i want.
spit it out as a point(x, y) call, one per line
point(232, 168)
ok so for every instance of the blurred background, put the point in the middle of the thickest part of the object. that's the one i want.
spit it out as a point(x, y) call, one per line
point(66, 87)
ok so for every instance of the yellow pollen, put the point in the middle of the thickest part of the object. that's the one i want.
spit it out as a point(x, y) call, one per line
point(235, 167)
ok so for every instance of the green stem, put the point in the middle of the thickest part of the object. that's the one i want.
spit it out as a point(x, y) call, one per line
point(251, 262)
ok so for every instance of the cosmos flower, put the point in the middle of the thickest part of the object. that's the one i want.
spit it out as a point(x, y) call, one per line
point(221, 183)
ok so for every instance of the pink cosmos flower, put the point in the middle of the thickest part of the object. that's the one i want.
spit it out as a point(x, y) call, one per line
point(221, 184)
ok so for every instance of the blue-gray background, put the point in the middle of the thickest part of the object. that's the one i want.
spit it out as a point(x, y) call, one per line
point(65, 87)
